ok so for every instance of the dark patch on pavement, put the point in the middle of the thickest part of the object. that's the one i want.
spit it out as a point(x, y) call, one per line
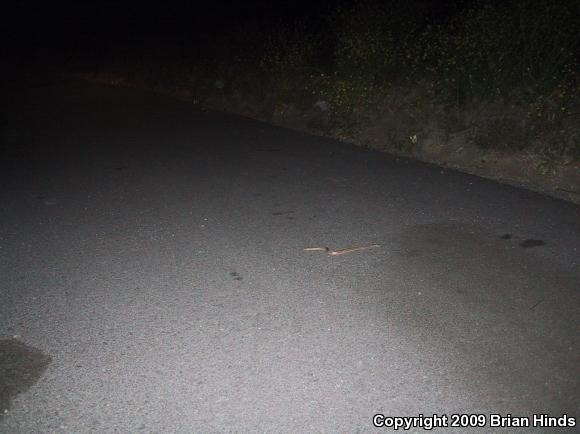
point(278, 213)
point(269, 150)
point(236, 276)
point(526, 244)
point(20, 368)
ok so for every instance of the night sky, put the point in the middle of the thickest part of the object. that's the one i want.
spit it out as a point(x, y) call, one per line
point(27, 20)
point(34, 29)
point(36, 35)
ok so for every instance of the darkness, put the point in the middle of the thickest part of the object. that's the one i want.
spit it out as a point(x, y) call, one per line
point(51, 35)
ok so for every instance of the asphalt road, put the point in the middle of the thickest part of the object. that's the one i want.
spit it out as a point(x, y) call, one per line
point(153, 277)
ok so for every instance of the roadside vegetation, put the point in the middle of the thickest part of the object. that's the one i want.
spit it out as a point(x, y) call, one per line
point(508, 71)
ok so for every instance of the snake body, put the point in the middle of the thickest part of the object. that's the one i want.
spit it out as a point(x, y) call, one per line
point(337, 252)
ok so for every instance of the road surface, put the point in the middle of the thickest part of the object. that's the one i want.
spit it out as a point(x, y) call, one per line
point(153, 277)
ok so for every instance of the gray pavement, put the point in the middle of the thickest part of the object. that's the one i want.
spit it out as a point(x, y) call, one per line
point(153, 277)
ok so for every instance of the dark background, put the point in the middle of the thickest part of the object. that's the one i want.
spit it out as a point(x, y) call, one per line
point(51, 34)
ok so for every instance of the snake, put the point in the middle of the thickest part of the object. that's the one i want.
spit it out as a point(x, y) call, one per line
point(337, 252)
